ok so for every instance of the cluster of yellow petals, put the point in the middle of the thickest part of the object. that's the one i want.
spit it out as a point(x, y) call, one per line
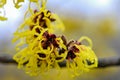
point(40, 50)
point(84, 59)
point(36, 60)
point(33, 35)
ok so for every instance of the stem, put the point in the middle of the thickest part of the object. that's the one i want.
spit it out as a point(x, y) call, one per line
point(107, 62)
point(102, 62)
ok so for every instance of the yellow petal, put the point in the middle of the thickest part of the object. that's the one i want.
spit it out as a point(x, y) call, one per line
point(2, 3)
point(17, 3)
point(2, 18)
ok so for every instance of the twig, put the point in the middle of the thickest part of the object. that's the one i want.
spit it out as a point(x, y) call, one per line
point(107, 62)
point(102, 62)
point(7, 60)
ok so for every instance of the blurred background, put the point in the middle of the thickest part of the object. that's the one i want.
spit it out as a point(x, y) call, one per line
point(97, 19)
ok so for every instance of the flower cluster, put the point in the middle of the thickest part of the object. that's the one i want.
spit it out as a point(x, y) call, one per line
point(80, 57)
point(40, 50)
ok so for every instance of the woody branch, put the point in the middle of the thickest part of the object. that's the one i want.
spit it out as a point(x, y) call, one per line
point(102, 62)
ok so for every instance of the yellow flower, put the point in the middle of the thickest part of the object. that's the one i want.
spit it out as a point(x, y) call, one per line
point(80, 58)
point(42, 54)
point(40, 50)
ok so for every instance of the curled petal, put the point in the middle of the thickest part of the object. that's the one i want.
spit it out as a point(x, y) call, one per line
point(2, 18)
point(17, 3)
point(87, 39)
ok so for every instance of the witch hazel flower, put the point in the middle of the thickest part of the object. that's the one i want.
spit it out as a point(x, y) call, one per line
point(80, 57)
point(39, 49)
